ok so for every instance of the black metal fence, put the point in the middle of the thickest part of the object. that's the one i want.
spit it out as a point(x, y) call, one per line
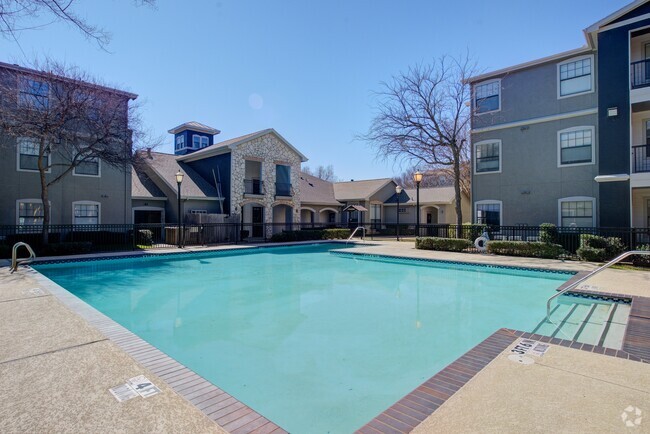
point(567, 237)
point(641, 158)
point(640, 74)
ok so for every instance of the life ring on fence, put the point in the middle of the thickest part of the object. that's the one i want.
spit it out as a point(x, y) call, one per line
point(481, 244)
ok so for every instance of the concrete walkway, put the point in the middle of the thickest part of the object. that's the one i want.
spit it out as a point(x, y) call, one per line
point(55, 372)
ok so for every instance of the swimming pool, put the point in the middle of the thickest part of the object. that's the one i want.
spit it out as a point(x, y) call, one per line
point(315, 341)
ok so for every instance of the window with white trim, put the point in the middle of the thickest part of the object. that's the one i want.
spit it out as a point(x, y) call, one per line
point(487, 97)
point(575, 76)
point(488, 213)
point(180, 142)
point(576, 145)
point(487, 157)
point(30, 212)
point(401, 210)
point(85, 213)
point(577, 212)
point(33, 93)
point(28, 150)
point(196, 141)
point(204, 141)
point(88, 167)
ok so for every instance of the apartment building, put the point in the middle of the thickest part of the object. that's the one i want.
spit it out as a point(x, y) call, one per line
point(565, 139)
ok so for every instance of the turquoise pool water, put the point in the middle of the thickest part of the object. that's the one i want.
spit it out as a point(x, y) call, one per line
point(316, 342)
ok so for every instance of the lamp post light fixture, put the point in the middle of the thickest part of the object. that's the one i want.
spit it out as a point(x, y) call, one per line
point(179, 181)
point(398, 190)
point(417, 177)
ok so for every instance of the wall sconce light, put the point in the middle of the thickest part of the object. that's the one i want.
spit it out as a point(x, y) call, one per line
point(612, 112)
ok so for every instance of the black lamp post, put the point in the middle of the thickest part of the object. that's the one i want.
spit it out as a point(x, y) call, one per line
point(179, 180)
point(398, 190)
point(417, 177)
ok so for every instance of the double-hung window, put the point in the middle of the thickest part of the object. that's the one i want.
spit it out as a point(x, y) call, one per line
point(30, 212)
point(33, 93)
point(85, 213)
point(487, 97)
point(196, 141)
point(28, 150)
point(180, 142)
point(487, 156)
point(576, 146)
point(204, 141)
point(575, 76)
point(577, 212)
point(488, 212)
point(88, 167)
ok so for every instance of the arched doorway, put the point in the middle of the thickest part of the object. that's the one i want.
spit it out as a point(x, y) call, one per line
point(253, 220)
point(307, 217)
point(282, 218)
point(329, 216)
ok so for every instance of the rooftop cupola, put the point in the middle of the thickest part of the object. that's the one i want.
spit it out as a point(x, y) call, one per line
point(192, 136)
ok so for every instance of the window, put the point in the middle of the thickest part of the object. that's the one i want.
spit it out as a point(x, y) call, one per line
point(198, 211)
point(196, 141)
point(88, 167)
point(28, 150)
point(577, 212)
point(180, 142)
point(488, 212)
point(401, 210)
point(575, 76)
point(487, 97)
point(33, 93)
point(85, 213)
point(576, 145)
point(29, 212)
point(487, 156)
point(204, 141)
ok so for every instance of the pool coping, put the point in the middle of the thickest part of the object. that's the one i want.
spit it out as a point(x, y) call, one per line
point(236, 417)
point(219, 406)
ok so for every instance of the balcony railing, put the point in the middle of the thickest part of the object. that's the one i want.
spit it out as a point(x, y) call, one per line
point(640, 158)
point(282, 189)
point(640, 74)
point(253, 186)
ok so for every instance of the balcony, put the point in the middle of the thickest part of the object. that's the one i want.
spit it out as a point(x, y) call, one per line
point(641, 159)
point(640, 74)
point(283, 189)
point(253, 186)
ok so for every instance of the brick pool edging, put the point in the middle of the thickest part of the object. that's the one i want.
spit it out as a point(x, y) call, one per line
point(220, 407)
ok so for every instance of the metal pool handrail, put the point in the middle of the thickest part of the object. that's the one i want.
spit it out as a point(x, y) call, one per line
point(363, 233)
point(617, 259)
point(14, 255)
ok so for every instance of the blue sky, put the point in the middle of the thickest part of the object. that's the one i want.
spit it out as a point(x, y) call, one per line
point(307, 68)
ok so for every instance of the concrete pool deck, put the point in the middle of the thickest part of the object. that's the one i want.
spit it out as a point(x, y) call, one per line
point(56, 368)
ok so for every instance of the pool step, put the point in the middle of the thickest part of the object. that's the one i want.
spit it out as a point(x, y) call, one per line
point(588, 321)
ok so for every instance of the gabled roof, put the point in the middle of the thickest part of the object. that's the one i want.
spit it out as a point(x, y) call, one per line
point(316, 191)
point(164, 168)
point(615, 15)
point(227, 145)
point(143, 187)
point(431, 195)
point(356, 190)
point(194, 126)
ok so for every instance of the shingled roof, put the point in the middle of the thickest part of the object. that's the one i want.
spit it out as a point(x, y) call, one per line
point(355, 190)
point(439, 195)
point(316, 191)
point(143, 187)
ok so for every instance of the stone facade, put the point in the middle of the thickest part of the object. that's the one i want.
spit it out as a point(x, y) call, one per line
point(270, 151)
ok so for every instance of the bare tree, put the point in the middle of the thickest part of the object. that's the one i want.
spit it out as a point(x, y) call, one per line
point(323, 172)
point(62, 119)
point(20, 15)
point(423, 118)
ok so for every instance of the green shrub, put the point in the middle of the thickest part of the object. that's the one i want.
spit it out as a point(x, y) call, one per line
point(524, 248)
point(472, 231)
point(445, 244)
point(145, 237)
point(310, 234)
point(598, 249)
point(548, 233)
point(642, 260)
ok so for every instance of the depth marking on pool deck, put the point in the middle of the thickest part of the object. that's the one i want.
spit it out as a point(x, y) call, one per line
point(222, 408)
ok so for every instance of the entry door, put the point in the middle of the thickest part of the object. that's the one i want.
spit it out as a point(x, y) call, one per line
point(258, 219)
point(647, 63)
point(429, 218)
point(648, 214)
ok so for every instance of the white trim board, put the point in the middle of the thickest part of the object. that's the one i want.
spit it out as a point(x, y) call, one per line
point(539, 120)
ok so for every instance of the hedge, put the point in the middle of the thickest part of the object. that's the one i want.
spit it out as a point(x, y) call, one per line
point(311, 234)
point(525, 248)
point(599, 249)
point(445, 244)
point(642, 260)
point(548, 233)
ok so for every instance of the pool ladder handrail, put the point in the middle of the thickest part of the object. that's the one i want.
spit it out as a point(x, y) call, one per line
point(363, 234)
point(616, 260)
point(15, 261)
